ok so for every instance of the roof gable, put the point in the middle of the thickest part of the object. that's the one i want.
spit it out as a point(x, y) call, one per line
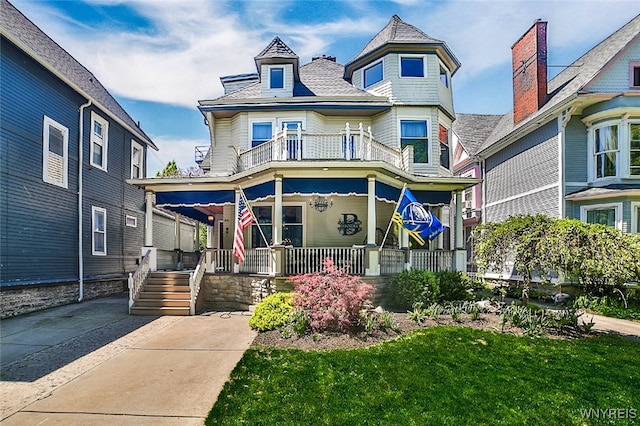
point(276, 49)
point(35, 43)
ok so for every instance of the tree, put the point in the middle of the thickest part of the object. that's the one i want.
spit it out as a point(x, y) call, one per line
point(172, 170)
point(599, 257)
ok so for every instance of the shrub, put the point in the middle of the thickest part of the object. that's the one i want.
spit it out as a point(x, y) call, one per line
point(272, 312)
point(453, 285)
point(331, 298)
point(413, 286)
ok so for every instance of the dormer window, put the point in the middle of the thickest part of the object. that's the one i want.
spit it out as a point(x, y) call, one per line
point(412, 66)
point(276, 78)
point(634, 74)
point(373, 74)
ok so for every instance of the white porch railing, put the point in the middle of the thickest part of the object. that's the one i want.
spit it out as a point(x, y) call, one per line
point(221, 260)
point(296, 145)
point(195, 278)
point(392, 261)
point(138, 278)
point(299, 260)
point(432, 260)
point(257, 261)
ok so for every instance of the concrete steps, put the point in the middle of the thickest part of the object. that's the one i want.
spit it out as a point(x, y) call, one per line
point(164, 293)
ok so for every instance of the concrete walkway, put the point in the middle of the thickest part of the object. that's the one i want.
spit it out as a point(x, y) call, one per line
point(92, 363)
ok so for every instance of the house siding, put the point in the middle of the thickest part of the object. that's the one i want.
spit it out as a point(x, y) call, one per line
point(575, 153)
point(518, 177)
point(616, 78)
point(40, 220)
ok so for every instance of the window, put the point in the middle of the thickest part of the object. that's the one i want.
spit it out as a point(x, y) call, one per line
point(137, 154)
point(635, 218)
point(260, 133)
point(634, 149)
point(373, 74)
point(411, 66)
point(603, 214)
point(414, 132)
point(291, 125)
point(264, 216)
point(99, 141)
point(291, 224)
point(276, 78)
point(444, 77)
point(98, 231)
point(55, 153)
point(606, 151)
point(131, 221)
point(634, 75)
point(467, 203)
point(443, 134)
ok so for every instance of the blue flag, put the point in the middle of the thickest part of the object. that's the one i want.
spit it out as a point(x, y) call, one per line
point(419, 222)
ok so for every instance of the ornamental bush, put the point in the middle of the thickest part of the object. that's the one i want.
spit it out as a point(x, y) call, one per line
point(413, 286)
point(453, 285)
point(273, 312)
point(331, 298)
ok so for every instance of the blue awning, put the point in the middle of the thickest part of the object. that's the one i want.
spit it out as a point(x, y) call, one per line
point(260, 191)
point(326, 186)
point(389, 193)
point(195, 198)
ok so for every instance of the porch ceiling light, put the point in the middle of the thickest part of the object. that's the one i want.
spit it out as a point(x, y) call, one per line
point(321, 204)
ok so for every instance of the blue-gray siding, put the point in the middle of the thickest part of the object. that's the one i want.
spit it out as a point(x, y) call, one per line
point(38, 220)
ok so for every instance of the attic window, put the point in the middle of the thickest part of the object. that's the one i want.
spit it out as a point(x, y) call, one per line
point(411, 66)
point(634, 74)
point(373, 74)
point(276, 78)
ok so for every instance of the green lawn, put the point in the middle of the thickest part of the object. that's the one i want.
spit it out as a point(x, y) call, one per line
point(437, 376)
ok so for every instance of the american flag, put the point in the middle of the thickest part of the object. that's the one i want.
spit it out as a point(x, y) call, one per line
point(243, 220)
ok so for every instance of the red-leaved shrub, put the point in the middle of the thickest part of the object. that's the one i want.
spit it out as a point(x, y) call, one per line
point(331, 298)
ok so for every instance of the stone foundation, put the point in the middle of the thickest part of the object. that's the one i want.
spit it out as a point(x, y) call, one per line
point(22, 299)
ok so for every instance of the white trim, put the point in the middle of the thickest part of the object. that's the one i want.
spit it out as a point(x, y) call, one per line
point(258, 121)
point(94, 211)
point(131, 221)
point(102, 140)
point(635, 214)
point(46, 161)
point(561, 187)
point(371, 65)
point(402, 118)
point(135, 145)
point(616, 206)
point(523, 194)
point(424, 65)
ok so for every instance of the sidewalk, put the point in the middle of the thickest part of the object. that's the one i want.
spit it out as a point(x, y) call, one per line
point(92, 363)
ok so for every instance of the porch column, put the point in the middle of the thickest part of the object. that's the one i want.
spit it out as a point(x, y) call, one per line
point(176, 241)
point(148, 248)
point(277, 214)
point(372, 252)
point(460, 255)
point(196, 237)
point(371, 211)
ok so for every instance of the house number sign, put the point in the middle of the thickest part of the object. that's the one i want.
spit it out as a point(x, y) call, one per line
point(349, 224)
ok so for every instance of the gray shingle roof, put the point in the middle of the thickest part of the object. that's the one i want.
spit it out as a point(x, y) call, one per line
point(474, 129)
point(320, 77)
point(574, 79)
point(277, 49)
point(24, 33)
point(396, 31)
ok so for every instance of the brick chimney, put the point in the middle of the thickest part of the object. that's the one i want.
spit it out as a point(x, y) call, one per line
point(529, 61)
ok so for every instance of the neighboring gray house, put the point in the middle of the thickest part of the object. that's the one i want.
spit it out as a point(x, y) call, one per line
point(71, 227)
point(571, 146)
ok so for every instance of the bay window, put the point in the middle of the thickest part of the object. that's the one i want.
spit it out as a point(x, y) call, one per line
point(615, 150)
point(606, 151)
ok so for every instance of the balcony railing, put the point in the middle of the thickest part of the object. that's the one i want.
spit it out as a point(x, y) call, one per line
point(296, 145)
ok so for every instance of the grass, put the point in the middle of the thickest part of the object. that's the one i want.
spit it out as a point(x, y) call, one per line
point(436, 376)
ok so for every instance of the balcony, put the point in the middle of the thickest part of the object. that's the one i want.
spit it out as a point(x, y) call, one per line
point(346, 145)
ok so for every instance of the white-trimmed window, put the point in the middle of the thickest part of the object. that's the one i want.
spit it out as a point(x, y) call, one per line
point(372, 74)
point(614, 150)
point(444, 76)
point(416, 133)
point(635, 218)
point(603, 214)
point(55, 153)
point(412, 66)
point(137, 160)
point(634, 149)
point(261, 132)
point(634, 74)
point(276, 78)
point(99, 141)
point(131, 221)
point(606, 151)
point(98, 231)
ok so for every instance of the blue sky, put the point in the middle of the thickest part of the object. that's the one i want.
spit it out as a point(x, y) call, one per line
point(159, 57)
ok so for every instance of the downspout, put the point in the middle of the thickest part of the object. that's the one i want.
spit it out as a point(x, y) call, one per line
point(80, 194)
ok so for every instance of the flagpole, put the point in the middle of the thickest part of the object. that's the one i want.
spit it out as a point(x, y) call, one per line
point(255, 219)
point(392, 214)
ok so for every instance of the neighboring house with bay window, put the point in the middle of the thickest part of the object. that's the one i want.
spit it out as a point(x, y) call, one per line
point(72, 227)
point(571, 145)
point(322, 152)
